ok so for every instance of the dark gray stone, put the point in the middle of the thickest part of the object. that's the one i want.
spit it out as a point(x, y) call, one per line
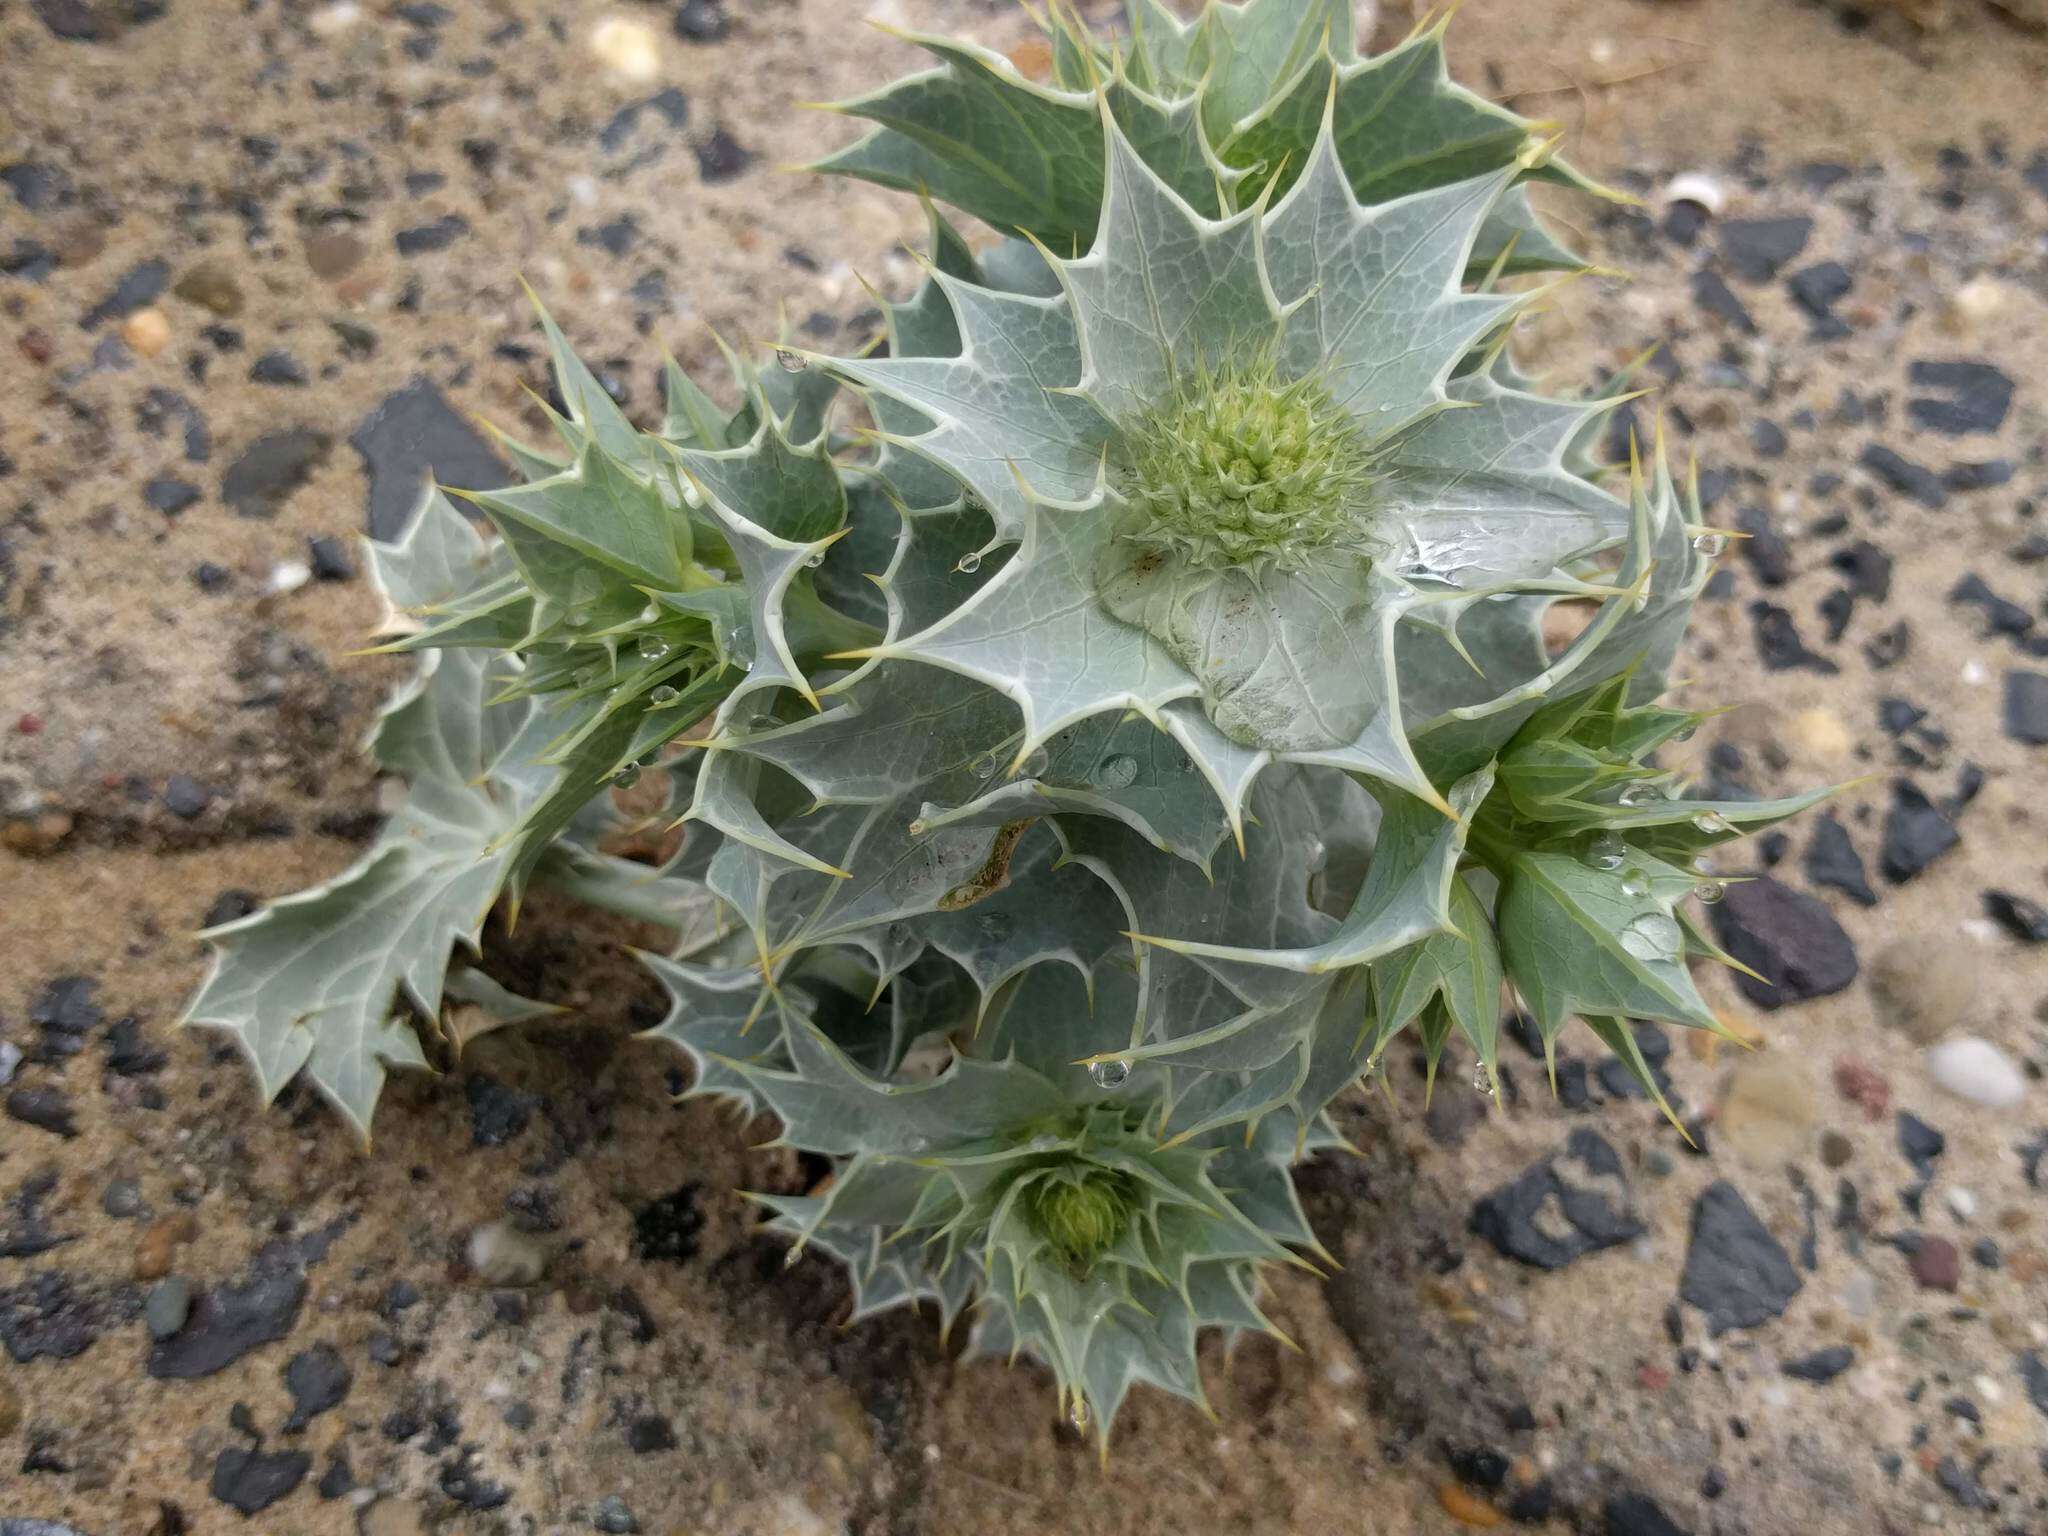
point(318, 1379)
point(720, 158)
point(1916, 833)
point(1637, 1514)
point(253, 1480)
point(2026, 707)
point(139, 285)
point(1832, 860)
point(185, 797)
point(2025, 920)
point(167, 1306)
point(1735, 1271)
point(1920, 1144)
point(437, 236)
point(1507, 1217)
point(1818, 288)
point(47, 1109)
point(412, 436)
point(1714, 296)
point(1787, 937)
point(229, 1321)
point(1779, 645)
point(1756, 249)
point(168, 494)
point(1822, 1366)
point(1901, 474)
point(1969, 397)
point(271, 468)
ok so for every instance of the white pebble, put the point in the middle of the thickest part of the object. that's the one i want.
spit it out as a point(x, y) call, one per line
point(1962, 1202)
point(1974, 673)
point(288, 576)
point(1696, 187)
point(501, 1254)
point(333, 20)
point(1858, 1294)
point(629, 49)
point(1973, 1068)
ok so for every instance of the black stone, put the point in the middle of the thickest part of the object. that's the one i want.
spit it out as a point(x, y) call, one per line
point(1765, 549)
point(415, 433)
point(1904, 476)
point(1823, 1365)
point(277, 367)
point(1971, 397)
point(2034, 1373)
point(37, 188)
point(1768, 438)
point(1714, 296)
point(169, 495)
point(1735, 1271)
point(2002, 616)
point(1778, 643)
point(2026, 707)
point(1506, 1218)
point(1478, 1466)
point(230, 906)
point(437, 236)
point(1756, 249)
point(227, 1322)
point(2025, 920)
point(318, 1380)
point(339, 1480)
point(1637, 1514)
point(1788, 937)
point(252, 1480)
point(702, 21)
point(720, 157)
point(185, 797)
point(129, 1052)
point(329, 559)
point(1832, 860)
point(466, 1485)
point(139, 285)
point(1920, 1144)
point(46, 1317)
point(496, 1113)
point(209, 577)
point(666, 1229)
point(1978, 475)
point(272, 468)
point(1916, 833)
point(616, 238)
point(1818, 288)
point(65, 1012)
point(1868, 569)
point(47, 1109)
point(1961, 1484)
point(650, 1432)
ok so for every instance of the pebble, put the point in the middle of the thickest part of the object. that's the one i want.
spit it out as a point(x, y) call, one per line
point(334, 253)
point(1788, 937)
point(1821, 734)
point(159, 1241)
point(1936, 1265)
point(1964, 398)
point(500, 1254)
point(1735, 1270)
point(122, 1199)
point(1757, 248)
point(228, 1322)
point(613, 1517)
point(1962, 1203)
point(211, 285)
point(1466, 1507)
point(1517, 1218)
point(1922, 985)
point(147, 332)
point(1767, 1113)
point(2026, 707)
point(168, 1305)
point(1974, 1069)
point(271, 468)
point(630, 49)
point(252, 1480)
point(1832, 860)
point(412, 433)
point(2020, 916)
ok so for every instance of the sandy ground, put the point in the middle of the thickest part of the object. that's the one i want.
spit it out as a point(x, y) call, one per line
point(352, 203)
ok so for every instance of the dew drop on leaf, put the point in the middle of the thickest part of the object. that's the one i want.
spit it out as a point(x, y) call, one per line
point(1635, 883)
point(1710, 891)
point(985, 765)
point(1117, 771)
point(652, 647)
point(1709, 544)
point(1035, 763)
point(1078, 1414)
point(791, 362)
point(814, 559)
point(1109, 1074)
point(1713, 823)
point(626, 777)
point(1606, 851)
point(1653, 936)
point(968, 563)
point(663, 696)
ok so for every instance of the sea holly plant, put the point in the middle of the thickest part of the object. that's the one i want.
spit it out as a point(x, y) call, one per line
point(1106, 720)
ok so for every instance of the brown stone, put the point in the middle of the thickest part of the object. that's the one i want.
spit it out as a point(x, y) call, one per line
point(1936, 1265)
point(1467, 1508)
point(212, 286)
point(160, 1242)
point(333, 254)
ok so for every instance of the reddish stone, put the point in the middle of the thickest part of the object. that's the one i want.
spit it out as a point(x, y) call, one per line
point(1863, 1085)
point(29, 725)
point(1937, 1265)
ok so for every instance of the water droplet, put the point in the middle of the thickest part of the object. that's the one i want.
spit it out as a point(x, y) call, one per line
point(1710, 891)
point(1635, 883)
point(792, 362)
point(1639, 794)
point(626, 777)
point(814, 559)
point(1117, 772)
point(1078, 1414)
point(968, 563)
point(1652, 936)
point(762, 722)
point(1709, 544)
point(985, 766)
point(663, 696)
point(1035, 762)
point(1482, 1080)
point(1109, 1074)
point(1713, 823)
point(1606, 851)
point(652, 647)
point(789, 1259)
